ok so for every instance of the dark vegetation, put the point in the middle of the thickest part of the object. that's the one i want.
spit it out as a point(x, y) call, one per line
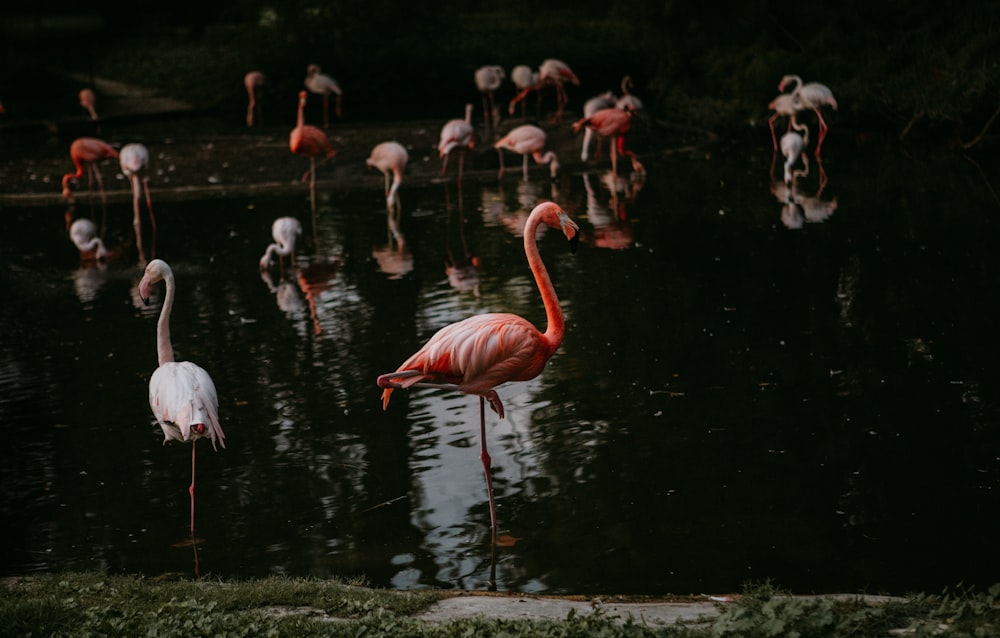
point(919, 71)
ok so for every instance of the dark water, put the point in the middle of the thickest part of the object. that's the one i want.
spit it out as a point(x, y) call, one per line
point(735, 400)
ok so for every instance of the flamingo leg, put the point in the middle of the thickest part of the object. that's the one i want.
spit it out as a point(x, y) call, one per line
point(770, 125)
point(500, 158)
point(136, 220)
point(191, 489)
point(614, 158)
point(461, 165)
point(822, 131)
point(524, 167)
point(152, 219)
point(484, 456)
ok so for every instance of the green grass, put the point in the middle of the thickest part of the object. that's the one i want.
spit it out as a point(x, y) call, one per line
point(92, 604)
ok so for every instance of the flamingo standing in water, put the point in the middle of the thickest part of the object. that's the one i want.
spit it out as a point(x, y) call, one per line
point(605, 100)
point(488, 79)
point(83, 234)
point(614, 123)
point(88, 151)
point(308, 141)
point(456, 134)
point(810, 96)
point(181, 394)
point(322, 84)
point(254, 82)
point(527, 140)
point(390, 158)
point(552, 73)
point(481, 352)
point(285, 231)
point(134, 160)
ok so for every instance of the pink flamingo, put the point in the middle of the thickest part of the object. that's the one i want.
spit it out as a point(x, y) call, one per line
point(552, 73)
point(390, 158)
point(615, 123)
point(134, 160)
point(88, 101)
point(523, 77)
point(308, 141)
point(254, 82)
point(456, 134)
point(322, 84)
point(605, 100)
point(87, 151)
point(481, 352)
point(783, 106)
point(285, 231)
point(488, 79)
point(527, 140)
point(181, 394)
point(810, 96)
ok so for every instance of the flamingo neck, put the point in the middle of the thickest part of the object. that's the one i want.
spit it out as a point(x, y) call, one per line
point(164, 350)
point(301, 116)
point(553, 311)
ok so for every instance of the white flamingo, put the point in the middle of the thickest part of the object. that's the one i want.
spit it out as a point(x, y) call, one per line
point(134, 160)
point(285, 231)
point(322, 84)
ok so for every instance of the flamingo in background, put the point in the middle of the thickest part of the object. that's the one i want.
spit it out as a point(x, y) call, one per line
point(792, 147)
point(88, 101)
point(285, 231)
point(628, 102)
point(488, 79)
point(783, 106)
point(552, 73)
point(308, 141)
point(88, 151)
point(523, 77)
point(254, 82)
point(134, 160)
point(527, 140)
point(605, 100)
point(615, 123)
point(477, 354)
point(810, 96)
point(181, 394)
point(322, 84)
point(83, 234)
point(456, 134)
point(390, 158)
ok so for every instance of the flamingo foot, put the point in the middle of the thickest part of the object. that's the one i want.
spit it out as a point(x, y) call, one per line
point(495, 404)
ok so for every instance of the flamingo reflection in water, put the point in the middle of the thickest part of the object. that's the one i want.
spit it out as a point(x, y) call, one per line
point(313, 280)
point(611, 225)
point(477, 354)
point(797, 208)
point(463, 275)
point(394, 258)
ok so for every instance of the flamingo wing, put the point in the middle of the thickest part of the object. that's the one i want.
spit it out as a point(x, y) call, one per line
point(185, 403)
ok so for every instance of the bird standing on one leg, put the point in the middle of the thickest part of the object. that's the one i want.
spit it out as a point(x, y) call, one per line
point(481, 352)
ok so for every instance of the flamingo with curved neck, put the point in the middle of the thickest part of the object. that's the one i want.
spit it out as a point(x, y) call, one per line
point(475, 355)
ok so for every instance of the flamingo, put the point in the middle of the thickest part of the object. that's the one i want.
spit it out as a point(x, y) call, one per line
point(390, 158)
point(488, 79)
point(552, 73)
point(254, 82)
point(88, 101)
point(628, 102)
point(87, 151)
point(181, 394)
point(134, 160)
point(322, 84)
point(792, 147)
point(612, 122)
point(810, 96)
point(527, 140)
point(456, 134)
point(284, 231)
point(523, 77)
point(475, 355)
point(83, 234)
point(309, 141)
point(605, 100)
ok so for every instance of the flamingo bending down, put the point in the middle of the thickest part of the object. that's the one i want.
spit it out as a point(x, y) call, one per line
point(612, 122)
point(488, 79)
point(88, 101)
point(89, 151)
point(477, 354)
point(181, 394)
point(456, 134)
point(254, 82)
point(552, 73)
point(308, 141)
point(83, 234)
point(810, 96)
point(390, 158)
point(324, 85)
point(792, 147)
point(527, 140)
point(284, 231)
point(134, 160)
point(605, 100)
